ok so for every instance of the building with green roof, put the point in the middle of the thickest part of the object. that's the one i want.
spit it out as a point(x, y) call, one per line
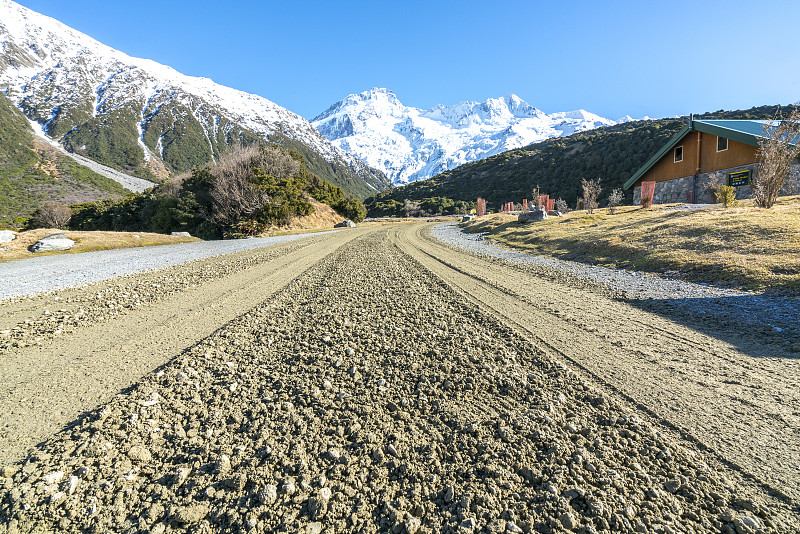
point(702, 156)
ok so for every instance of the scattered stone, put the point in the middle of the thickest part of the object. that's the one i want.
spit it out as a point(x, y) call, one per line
point(139, 455)
point(7, 236)
point(192, 514)
point(568, 521)
point(268, 494)
point(71, 484)
point(223, 464)
point(52, 243)
point(181, 234)
point(747, 525)
point(53, 478)
point(449, 493)
point(534, 215)
point(347, 223)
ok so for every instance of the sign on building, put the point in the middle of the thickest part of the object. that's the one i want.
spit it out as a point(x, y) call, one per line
point(739, 178)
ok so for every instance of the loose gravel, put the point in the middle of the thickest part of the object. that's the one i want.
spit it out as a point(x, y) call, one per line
point(47, 273)
point(753, 310)
point(335, 408)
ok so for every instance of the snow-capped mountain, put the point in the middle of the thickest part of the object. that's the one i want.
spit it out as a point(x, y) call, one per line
point(136, 114)
point(410, 144)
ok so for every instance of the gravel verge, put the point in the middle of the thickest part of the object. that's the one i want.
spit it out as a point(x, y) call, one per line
point(329, 409)
point(778, 314)
point(47, 273)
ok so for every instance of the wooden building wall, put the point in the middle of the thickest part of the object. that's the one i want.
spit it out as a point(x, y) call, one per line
point(710, 160)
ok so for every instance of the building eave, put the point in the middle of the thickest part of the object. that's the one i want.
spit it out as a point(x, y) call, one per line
point(658, 155)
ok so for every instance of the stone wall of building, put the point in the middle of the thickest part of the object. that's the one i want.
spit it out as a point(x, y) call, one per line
point(680, 189)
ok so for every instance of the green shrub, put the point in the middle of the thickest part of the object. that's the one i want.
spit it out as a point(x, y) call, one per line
point(726, 194)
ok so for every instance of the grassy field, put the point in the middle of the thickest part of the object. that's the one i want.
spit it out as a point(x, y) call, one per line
point(743, 246)
point(84, 242)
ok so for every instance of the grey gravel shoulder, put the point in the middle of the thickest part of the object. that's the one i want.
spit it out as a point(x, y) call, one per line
point(47, 273)
point(780, 314)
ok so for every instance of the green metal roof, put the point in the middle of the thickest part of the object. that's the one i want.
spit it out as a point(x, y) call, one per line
point(749, 132)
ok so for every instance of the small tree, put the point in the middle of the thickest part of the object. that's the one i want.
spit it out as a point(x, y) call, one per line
point(726, 194)
point(779, 146)
point(53, 215)
point(561, 205)
point(537, 197)
point(615, 199)
point(591, 190)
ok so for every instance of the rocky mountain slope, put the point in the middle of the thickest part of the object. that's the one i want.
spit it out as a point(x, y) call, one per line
point(410, 144)
point(32, 171)
point(143, 117)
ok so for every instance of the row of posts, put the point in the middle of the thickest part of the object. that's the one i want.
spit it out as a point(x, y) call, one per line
point(545, 203)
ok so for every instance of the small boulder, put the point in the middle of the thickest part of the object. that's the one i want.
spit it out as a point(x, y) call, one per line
point(7, 236)
point(52, 243)
point(532, 216)
point(347, 223)
point(467, 218)
point(180, 234)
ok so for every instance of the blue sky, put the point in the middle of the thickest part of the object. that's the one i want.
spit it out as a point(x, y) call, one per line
point(610, 58)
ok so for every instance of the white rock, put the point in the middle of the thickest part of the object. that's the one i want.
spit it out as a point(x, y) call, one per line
point(53, 478)
point(52, 243)
point(6, 236)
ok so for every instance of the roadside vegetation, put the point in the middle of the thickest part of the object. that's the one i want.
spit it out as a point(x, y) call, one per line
point(738, 246)
point(248, 191)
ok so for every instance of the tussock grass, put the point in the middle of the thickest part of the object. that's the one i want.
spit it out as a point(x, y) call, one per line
point(742, 246)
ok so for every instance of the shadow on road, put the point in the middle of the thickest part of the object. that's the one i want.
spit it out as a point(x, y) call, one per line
point(757, 325)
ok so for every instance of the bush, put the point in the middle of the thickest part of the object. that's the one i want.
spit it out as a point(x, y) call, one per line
point(248, 190)
point(615, 199)
point(647, 202)
point(351, 208)
point(591, 190)
point(726, 194)
point(51, 215)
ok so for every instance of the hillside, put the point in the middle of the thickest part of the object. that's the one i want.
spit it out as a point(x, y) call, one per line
point(144, 118)
point(32, 171)
point(612, 154)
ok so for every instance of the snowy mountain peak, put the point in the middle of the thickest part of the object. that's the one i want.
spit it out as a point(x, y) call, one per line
point(409, 144)
point(78, 89)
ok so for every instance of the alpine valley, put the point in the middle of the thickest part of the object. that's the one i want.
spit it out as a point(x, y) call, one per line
point(144, 118)
point(410, 144)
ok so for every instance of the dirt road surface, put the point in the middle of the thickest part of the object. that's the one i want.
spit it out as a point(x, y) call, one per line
point(378, 380)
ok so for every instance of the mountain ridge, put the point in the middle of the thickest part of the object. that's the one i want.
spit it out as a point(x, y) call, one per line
point(410, 144)
point(134, 114)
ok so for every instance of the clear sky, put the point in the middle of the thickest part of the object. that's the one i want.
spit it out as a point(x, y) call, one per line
point(612, 58)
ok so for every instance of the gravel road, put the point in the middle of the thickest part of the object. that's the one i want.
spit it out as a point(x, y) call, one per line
point(779, 316)
point(46, 273)
point(380, 381)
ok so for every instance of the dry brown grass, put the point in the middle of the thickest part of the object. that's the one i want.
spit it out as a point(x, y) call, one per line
point(85, 242)
point(747, 246)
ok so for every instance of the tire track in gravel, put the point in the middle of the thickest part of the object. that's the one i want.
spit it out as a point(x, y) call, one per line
point(741, 408)
point(366, 397)
point(44, 387)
